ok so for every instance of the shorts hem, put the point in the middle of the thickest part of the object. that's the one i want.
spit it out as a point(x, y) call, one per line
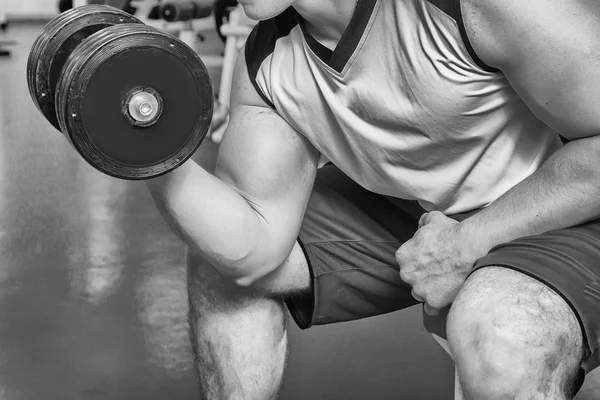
point(294, 309)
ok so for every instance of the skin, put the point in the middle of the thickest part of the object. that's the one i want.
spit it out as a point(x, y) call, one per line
point(247, 228)
point(243, 220)
point(565, 191)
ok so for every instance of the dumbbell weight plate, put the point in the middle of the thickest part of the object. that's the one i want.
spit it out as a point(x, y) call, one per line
point(97, 93)
point(34, 53)
point(124, 5)
point(56, 42)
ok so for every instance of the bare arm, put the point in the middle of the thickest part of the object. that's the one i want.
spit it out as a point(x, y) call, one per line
point(245, 218)
point(549, 51)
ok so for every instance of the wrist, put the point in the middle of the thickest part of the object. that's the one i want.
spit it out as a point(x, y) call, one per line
point(481, 236)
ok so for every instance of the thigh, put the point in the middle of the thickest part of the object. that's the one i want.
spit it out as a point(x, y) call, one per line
point(349, 238)
point(567, 262)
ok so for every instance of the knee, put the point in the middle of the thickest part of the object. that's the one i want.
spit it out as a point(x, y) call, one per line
point(512, 337)
point(209, 289)
point(208, 282)
point(204, 278)
point(490, 360)
point(218, 307)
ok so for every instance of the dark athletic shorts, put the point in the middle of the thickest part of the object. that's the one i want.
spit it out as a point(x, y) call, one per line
point(350, 237)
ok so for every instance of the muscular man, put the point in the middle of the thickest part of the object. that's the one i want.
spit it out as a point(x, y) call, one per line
point(384, 153)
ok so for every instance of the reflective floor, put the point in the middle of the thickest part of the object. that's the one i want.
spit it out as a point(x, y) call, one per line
point(93, 296)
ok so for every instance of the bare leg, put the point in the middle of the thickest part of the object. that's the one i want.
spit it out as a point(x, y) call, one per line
point(239, 334)
point(513, 338)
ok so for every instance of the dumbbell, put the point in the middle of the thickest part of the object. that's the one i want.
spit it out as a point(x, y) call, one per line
point(125, 5)
point(174, 11)
point(134, 101)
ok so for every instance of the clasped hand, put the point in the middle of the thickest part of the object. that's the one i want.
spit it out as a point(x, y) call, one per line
point(438, 259)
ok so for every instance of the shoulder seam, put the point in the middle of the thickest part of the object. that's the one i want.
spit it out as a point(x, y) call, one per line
point(465, 37)
point(262, 41)
point(253, 71)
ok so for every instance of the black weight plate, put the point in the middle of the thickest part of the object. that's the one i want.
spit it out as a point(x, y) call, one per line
point(34, 54)
point(32, 61)
point(97, 77)
point(56, 42)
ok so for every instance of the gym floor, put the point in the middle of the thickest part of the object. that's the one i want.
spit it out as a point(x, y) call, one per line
point(93, 293)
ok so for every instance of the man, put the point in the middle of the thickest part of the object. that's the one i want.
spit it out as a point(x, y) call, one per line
point(456, 105)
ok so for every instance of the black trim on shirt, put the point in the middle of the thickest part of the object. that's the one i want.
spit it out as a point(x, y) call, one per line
point(339, 57)
point(452, 8)
point(463, 33)
point(446, 6)
point(260, 44)
point(352, 35)
point(321, 51)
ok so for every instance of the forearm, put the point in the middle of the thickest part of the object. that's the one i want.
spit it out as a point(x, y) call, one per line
point(564, 192)
point(216, 221)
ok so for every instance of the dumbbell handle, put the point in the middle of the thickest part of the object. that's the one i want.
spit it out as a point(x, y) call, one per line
point(184, 11)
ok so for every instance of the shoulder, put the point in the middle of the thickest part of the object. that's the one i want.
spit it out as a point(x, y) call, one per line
point(501, 30)
point(548, 50)
point(482, 21)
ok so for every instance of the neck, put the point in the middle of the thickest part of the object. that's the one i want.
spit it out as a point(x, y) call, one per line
point(326, 20)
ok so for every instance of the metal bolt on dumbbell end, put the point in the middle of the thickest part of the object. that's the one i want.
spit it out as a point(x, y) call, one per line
point(143, 107)
point(146, 109)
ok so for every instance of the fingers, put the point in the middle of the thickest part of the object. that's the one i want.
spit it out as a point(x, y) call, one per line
point(431, 217)
point(418, 298)
point(422, 220)
point(430, 309)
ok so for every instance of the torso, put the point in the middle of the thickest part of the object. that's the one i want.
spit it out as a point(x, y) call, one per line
point(402, 105)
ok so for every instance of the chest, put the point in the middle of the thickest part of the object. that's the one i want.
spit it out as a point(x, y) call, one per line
point(409, 85)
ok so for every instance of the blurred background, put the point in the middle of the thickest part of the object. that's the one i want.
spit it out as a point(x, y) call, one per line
point(92, 282)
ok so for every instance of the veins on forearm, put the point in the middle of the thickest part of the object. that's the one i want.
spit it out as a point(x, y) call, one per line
point(563, 192)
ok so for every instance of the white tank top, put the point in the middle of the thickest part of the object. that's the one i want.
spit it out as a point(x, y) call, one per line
point(402, 105)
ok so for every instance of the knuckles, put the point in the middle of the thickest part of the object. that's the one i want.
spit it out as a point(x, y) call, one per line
point(405, 276)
